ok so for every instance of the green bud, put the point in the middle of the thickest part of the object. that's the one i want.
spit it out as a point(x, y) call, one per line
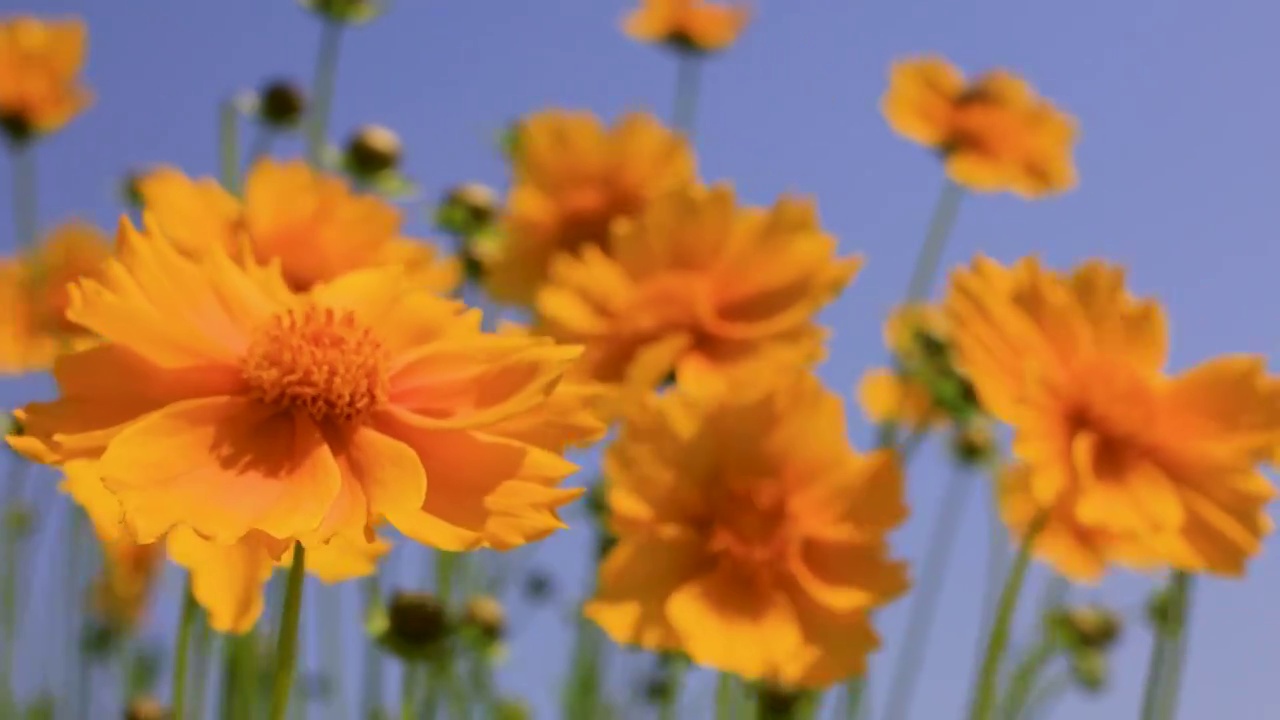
point(372, 150)
point(351, 12)
point(281, 104)
point(1092, 626)
point(1090, 669)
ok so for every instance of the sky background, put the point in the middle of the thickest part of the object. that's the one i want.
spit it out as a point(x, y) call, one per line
point(1178, 107)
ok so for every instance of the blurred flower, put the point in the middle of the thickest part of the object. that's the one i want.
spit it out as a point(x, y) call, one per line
point(573, 178)
point(312, 222)
point(222, 403)
point(146, 708)
point(994, 133)
point(699, 286)
point(412, 626)
point(39, 64)
point(688, 25)
point(751, 536)
point(281, 104)
point(33, 296)
point(1135, 467)
point(485, 614)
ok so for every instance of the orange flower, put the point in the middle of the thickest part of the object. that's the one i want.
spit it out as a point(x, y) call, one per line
point(994, 133)
point(700, 287)
point(312, 222)
point(889, 396)
point(1135, 467)
point(689, 25)
point(227, 580)
point(751, 536)
point(573, 178)
point(39, 62)
point(33, 297)
point(221, 402)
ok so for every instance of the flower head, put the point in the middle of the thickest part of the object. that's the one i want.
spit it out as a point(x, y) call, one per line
point(994, 133)
point(33, 296)
point(312, 222)
point(1134, 466)
point(914, 335)
point(698, 286)
point(751, 536)
point(39, 62)
point(223, 403)
point(573, 179)
point(688, 25)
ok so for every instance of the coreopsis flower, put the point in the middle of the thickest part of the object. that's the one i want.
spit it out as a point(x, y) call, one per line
point(40, 62)
point(994, 133)
point(1132, 465)
point(572, 179)
point(700, 287)
point(912, 334)
point(688, 25)
point(751, 536)
point(309, 220)
point(221, 402)
point(33, 296)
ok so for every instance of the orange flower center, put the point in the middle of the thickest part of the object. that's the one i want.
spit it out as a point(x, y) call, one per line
point(320, 361)
point(752, 531)
point(1109, 422)
point(587, 211)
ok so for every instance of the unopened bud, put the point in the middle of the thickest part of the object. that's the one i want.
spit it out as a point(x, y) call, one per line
point(973, 443)
point(417, 618)
point(146, 708)
point(777, 703)
point(352, 12)
point(17, 128)
point(281, 104)
point(372, 150)
point(485, 614)
point(467, 209)
point(1093, 626)
point(1090, 669)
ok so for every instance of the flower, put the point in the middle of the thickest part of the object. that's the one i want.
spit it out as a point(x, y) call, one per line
point(311, 221)
point(222, 403)
point(751, 536)
point(1133, 466)
point(901, 396)
point(33, 296)
point(699, 286)
point(573, 178)
point(688, 25)
point(994, 133)
point(39, 62)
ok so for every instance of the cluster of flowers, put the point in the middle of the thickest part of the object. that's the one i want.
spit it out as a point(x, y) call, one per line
point(244, 374)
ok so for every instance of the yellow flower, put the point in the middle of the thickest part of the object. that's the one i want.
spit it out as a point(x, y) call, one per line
point(33, 297)
point(39, 62)
point(227, 580)
point(751, 536)
point(698, 286)
point(311, 222)
point(887, 396)
point(573, 178)
point(692, 25)
point(994, 133)
point(1134, 467)
point(222, 402)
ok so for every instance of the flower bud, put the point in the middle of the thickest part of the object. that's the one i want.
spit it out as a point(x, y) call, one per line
point(973, 443)
point(417, 618)
point(352, 12)
point(467, 209)
point(1090, 669)
point(485, 614)
point(281, 104)
point(146, 708)
point(1093, 626)
point(372, 150)
point(777, 703)
point(17, 128)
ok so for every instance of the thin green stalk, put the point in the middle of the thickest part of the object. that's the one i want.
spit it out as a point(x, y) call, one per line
point(371, 677)
point(855, 692)
point(239, 683)
point(1164, 674)
point(332, 645)
point(725, 705)
point(984, 701)
point(260, 146)
point(203, 653)
point(287, 643)
point(447, 564)
point(924, 604)
point(326, 75)
point(431, 688)
point(688, 75)
point(77, 548)
point(408, 692)
point(670, 708)
point(229, 145)
point(25, 207)
point(15, 531)
point(1045, 694)
point(181, 651)
point(994, 571)
point(1023, 682)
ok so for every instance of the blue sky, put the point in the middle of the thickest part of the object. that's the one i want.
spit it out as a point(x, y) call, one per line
point(1177, 106)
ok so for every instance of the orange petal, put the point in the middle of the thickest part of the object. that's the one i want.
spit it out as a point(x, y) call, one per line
point(227, 580)
point(635, 580)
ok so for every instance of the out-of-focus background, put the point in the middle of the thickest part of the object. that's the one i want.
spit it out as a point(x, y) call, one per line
point(1178, 106)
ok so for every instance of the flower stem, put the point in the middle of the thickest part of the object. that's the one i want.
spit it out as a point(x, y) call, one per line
point(925, 602)
point(688, 75)
point(984, 701)
point(287, 642)
point(725, 705)
point(371, 680)
point(1023, 682)
point(229, 145)
point(1164, 674)
point(25, 207)
point(322, 88)
point(181, 651)
point(14, 529)
point(1043, 696)
point(203, 653)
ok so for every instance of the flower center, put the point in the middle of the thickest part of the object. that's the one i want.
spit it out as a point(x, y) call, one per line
point(317, 360)
point(751, 532)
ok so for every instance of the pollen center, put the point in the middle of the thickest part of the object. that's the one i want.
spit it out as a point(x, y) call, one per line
point(317, 360)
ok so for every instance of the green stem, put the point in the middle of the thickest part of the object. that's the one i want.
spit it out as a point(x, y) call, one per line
point(1160, 696)
point(181, 651)
point(15, 531)
point(674, 671)
point(688, 74)
point(322, 88)
point(1044, 695)
point(984, 701)
point(76, 552)
point(229, 146)
point(446, 568)
point(725, 706)
point(203, 652)
point(287, 642)
point(855, 692)
point(408, 694)
point(371, 678)
point(432, 686)
point(331, 640)
point(260, 146)
point(924, 604)
point(25, 207)
point(1023, 682)
point(996, 560)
